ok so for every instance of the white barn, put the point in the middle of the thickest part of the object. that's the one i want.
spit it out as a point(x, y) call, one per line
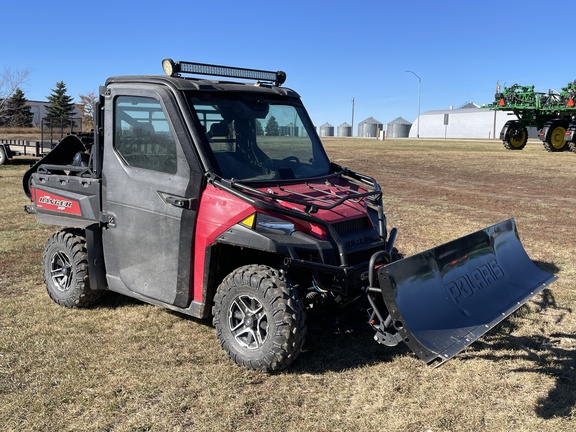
point(470, 121)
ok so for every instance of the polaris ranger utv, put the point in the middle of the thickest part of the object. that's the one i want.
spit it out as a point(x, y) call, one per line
point(216, 198)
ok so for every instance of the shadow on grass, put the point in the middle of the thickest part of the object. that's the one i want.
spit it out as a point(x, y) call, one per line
point(327, 350)
point(112, 300)
point(546, 355)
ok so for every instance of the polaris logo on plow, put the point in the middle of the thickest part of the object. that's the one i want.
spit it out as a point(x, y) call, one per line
point(478, 279)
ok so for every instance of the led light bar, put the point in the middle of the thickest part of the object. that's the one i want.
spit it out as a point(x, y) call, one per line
point(173, 68)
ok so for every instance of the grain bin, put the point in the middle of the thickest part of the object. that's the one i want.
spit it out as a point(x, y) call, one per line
point(344, 130)
point(398, 128)
point(326, 130)
point(369, 127)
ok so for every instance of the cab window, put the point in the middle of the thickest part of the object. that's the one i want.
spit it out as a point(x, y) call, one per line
point(142, 136)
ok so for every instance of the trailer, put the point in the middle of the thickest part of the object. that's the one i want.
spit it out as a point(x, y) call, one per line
point(6, 153)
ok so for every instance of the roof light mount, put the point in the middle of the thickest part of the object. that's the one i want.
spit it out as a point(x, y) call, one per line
point(175, 68)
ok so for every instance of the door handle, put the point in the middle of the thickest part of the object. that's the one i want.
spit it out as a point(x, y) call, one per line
point(178, 201)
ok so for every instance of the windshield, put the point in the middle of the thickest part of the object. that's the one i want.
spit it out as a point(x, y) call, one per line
point(256, 139)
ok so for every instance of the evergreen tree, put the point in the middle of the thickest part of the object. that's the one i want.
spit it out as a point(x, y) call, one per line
point(259, 128)
point(61, 107)
point(17, 112)
point(272, 128)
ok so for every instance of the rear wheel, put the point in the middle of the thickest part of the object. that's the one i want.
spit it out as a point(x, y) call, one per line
point(554, 133)
point(571, 137)
point(3, 157)
point(66, 270)
point(259, 318)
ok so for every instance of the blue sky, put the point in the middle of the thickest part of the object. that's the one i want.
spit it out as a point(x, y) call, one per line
point(331, 51)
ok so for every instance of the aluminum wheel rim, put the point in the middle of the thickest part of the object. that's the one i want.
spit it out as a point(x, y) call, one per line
point(248, 322)
point(61, 271)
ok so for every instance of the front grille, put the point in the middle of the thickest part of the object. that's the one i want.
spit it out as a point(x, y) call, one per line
point(351, 225)
point(362, 256)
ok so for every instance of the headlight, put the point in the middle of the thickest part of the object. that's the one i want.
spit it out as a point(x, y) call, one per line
point(268, 224)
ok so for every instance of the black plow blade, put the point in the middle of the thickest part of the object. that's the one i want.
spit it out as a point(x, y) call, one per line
point(443, 299)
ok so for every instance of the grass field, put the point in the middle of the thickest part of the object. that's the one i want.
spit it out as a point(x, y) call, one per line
point(128, 366)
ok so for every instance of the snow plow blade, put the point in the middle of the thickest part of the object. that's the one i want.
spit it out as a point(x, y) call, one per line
point(442, 300)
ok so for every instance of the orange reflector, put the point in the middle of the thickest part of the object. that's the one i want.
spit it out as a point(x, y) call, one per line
point(570, 102)
point(501, 103)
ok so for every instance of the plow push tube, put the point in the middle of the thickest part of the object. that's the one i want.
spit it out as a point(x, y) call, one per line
point(442, 300)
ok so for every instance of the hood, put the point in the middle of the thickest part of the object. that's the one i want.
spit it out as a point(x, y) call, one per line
point(334, 201)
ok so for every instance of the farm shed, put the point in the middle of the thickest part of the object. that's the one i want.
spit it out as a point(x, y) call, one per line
point(470, 121)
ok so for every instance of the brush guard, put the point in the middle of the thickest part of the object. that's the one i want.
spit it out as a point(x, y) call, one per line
point(440, 301)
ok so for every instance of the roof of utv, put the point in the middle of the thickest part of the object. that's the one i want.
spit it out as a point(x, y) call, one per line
point(198, 84)
point(266, 82)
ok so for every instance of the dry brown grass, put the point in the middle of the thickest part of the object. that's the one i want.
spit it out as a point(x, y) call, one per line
point(127, 366)
point(29, 134)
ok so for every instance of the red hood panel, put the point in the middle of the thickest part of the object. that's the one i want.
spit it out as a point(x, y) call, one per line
point(320, 193)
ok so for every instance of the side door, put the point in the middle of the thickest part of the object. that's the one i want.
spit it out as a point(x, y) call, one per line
point(151, 183)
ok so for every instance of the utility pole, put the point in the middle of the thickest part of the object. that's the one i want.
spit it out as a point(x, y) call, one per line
point(419, 89)
point(352, 117)
point(494, 127)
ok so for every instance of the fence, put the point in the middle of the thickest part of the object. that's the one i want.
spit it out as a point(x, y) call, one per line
point(49, 137)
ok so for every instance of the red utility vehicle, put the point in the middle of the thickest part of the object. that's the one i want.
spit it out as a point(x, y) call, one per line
point(216, 198)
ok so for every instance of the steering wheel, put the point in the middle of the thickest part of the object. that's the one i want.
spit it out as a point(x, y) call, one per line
point(289, 159)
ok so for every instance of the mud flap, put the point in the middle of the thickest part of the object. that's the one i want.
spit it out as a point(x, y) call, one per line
point(443, 299)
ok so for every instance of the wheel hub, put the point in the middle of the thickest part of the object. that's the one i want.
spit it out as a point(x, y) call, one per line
point(557, 138)
point(61, 271)
point(248, 322)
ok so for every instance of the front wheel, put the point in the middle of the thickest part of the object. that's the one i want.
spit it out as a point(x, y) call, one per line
point(515, 138)
point(259, 318)
point(66, 270)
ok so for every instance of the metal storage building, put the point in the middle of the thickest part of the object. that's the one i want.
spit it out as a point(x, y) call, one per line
point(370, 127)
point(326, 130)
point(470, 121)
point(398, 128)
point(344, 130)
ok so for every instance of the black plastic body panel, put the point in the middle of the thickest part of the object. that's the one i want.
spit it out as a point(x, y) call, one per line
point(68, 200)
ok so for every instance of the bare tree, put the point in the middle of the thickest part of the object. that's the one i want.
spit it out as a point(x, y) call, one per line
point(10, 80)
point(87, 105)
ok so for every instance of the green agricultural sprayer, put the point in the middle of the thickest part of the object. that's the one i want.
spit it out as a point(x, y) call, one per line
point(552, 113)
